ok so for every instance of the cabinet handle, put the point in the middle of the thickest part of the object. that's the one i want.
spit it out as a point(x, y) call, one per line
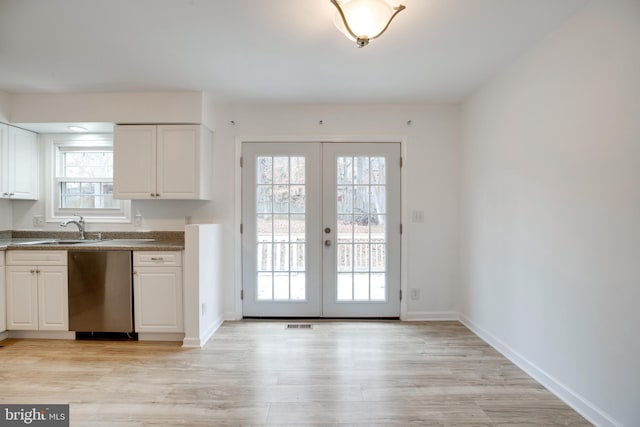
point(135, 273)
point(38, 271)
point(157, 194)
point(157, 259)
point(152, 195)
point(32, 271)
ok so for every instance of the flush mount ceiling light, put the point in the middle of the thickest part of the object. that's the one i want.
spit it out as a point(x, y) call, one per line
point(364, 20)
point(77, 128)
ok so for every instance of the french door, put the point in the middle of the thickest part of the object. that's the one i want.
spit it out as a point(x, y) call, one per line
point(321, 229)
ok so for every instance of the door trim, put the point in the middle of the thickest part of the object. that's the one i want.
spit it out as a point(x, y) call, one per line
point(236, 314)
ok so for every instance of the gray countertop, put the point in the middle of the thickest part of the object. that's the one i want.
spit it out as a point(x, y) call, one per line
point(99, 245)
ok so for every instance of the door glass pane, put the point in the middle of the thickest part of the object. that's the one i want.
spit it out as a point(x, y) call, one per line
point(361, 170)
point(345, 200)
point(281, 170)
point(297, 170)
point(345, 170)
point(265, 286)
point(265, 228)
point(361, 221)
point(345, 229)
point(378, 171)
point(297, 286)
point(281, 228)
point(297, 198)
point(264, 172)
point(345, 287)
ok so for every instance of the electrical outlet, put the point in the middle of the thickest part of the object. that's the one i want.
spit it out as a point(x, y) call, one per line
point(415, 293)
point(137, 220)
point(38, 220)
point(417, 216)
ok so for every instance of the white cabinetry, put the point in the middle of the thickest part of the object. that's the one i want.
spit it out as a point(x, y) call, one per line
point(3, 302)
point(162, 162)
point(18, 163)
point(157, 291)
point(37, 294)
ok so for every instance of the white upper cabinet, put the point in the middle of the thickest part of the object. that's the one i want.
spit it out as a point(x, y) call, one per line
point(162, 162)
point(18, 163)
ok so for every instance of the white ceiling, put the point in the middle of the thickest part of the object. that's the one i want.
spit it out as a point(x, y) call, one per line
point(265, 51)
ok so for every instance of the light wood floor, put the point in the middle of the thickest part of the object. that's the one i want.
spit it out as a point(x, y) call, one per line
point(259, 373)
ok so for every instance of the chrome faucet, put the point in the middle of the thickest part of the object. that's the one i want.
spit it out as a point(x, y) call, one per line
point(79, 223)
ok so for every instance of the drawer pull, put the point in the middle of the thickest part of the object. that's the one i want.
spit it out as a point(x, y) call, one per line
point(157, 259)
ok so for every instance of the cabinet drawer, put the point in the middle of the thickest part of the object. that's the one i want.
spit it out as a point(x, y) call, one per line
point(166, 259)
point(36, 258)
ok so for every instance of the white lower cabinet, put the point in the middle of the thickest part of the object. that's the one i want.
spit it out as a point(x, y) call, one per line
point(37, 294)
point(157, 287)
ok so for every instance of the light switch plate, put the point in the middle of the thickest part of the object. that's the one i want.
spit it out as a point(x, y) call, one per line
point(417, 216)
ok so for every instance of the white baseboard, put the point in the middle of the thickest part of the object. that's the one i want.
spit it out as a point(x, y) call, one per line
point(191, 342)
point(585, 408)
point(232, 316)
point(212, 330)
point(431, 316)
point(205, 336)
point(4, 335)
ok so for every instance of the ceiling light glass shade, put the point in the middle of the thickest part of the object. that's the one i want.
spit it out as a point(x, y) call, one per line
point(364, 20)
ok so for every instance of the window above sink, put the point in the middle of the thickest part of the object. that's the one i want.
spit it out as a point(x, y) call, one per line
point(80, 172)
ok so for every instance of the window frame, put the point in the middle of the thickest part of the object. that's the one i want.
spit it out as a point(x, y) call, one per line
point(75, 143)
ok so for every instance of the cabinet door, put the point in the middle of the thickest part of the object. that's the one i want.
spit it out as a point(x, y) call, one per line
point(134, 162)
point(158, 299)
point(178, 174)
point(3, 302)
point(22, 298)
point(23, 164)
point(4, 159)
point(53, 311)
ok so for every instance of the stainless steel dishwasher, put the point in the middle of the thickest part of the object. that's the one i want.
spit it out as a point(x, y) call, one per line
point(100, 291)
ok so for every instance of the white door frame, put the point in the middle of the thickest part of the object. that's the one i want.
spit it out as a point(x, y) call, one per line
point(239, 140)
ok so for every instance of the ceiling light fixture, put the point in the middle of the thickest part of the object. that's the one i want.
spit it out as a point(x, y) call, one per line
point(364, 20)
point(77, 128)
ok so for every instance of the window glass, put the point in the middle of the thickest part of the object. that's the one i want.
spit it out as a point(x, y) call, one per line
point(82, 181)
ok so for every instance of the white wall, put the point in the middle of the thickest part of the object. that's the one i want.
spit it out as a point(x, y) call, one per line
point(154, 107)
point(203, 287)
point(431, 179)
point(551, 211)
point(6, 213)
point(431, 172)
point(115, 107)
point(5, 100)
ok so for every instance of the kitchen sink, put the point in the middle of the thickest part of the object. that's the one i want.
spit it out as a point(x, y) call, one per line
point(62, 242)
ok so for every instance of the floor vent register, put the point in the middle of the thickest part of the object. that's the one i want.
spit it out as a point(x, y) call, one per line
point(299, 326)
